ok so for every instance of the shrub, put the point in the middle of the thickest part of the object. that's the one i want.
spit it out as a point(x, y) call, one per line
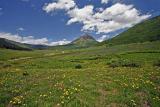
point(93, 58)
point(122, 63)
point(157, 63)
point(131, 64)
point(25, 73)
point(78, 66)
point(75, 61)
point(113, 63)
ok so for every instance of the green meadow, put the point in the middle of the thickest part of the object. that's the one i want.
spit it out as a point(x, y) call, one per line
point(117, 76)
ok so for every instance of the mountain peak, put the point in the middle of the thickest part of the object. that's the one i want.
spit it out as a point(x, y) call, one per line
point(84, 40)
point(86, 36)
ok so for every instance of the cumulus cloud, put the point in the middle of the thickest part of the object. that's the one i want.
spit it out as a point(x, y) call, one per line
point(31, 39)
point(110, 19)
point(118, 16)
point(102, 38)
point(80, 15)
point(60, 4)
point(104, 1)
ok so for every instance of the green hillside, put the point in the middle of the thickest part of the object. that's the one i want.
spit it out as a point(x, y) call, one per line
point(39, 47)
point(148, 30)
point(8, 44)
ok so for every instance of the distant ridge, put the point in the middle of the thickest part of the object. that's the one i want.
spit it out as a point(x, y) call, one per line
point(8, 44)
point(149, 30)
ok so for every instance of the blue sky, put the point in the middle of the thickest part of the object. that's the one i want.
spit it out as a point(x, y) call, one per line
point(57, 22)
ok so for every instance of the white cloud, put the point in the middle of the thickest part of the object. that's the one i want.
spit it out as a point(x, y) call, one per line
point(104, 1)
point(102, 38)
point(113, 1)
point(80, 15)
point(113, 18)
point(20, 29)
point(60, 4)
point(61, 42)
point(31, 39)
point(118, 16)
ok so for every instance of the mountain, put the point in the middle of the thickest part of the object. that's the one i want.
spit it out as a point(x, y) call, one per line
point(8, 44)
point(149, 30)
point(84, 41)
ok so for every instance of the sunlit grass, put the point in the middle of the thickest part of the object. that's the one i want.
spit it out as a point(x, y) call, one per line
point(54, 80)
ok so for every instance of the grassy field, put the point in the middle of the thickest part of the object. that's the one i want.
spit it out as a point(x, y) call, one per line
point(118, 76)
